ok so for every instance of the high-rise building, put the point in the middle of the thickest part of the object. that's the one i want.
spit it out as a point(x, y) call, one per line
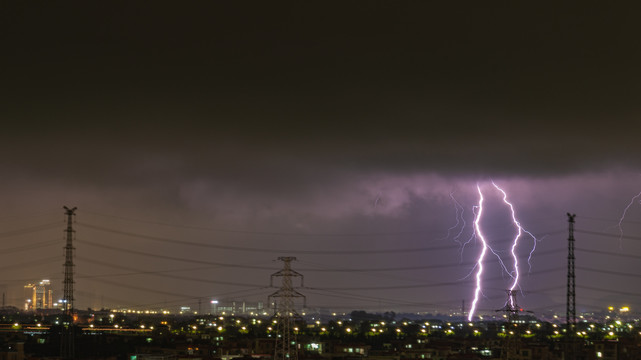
point(38, 296)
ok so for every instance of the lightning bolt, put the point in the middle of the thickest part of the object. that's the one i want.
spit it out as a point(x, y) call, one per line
point(519, 232)
point(377, 200)
point(474, 236)
point(460, 220)
point(620, 225)
point(515, 274)
point(479, 262)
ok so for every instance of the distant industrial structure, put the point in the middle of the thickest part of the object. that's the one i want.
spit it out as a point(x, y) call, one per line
point(39, 296)
point(236, 307)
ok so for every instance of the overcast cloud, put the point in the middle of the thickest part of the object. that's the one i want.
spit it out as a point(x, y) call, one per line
point(318, 127)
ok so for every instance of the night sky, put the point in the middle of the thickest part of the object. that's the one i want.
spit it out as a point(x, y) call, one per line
point(201, 141)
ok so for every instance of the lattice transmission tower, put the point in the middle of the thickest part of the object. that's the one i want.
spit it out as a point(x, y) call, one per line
point(285, 314)
point(67, 348)
point(511, 343)
point(570, 313)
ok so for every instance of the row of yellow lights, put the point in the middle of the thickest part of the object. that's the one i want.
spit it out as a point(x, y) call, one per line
point(152, 312)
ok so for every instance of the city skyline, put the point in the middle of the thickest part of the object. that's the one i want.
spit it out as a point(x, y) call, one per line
point(201, 142)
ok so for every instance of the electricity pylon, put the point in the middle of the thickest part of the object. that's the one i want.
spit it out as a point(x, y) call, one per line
point(67, 348)
point(570, 314)
point(512, 341)
point(285, 314)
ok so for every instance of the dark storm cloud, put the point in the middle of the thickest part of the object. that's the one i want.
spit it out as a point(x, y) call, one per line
point(516, 89)
point(274, 106)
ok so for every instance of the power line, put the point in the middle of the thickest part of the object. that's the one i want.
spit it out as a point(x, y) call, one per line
point(416, 286)
point(218, 264)
point(136, 271)
point(141, 253)
point(337, 294)
point(139, 288)
point(609, 220)
point(544, 290)
point(161, 273)
point(609, 291)
point(30, 230)
point(102, 297)
point(266, 250)
point(397, 287)
point(418, 267)
point(637, 238)
point(30, 246)
point(271, 233)
point(440, 266)
point(270, 250)
point(35, 262)
point(617, 273)
point(249, 266)
point(29, 216)
point(629, 256)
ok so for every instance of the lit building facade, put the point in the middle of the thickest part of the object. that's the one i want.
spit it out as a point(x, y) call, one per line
point(38, 296)
point(236, 307)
